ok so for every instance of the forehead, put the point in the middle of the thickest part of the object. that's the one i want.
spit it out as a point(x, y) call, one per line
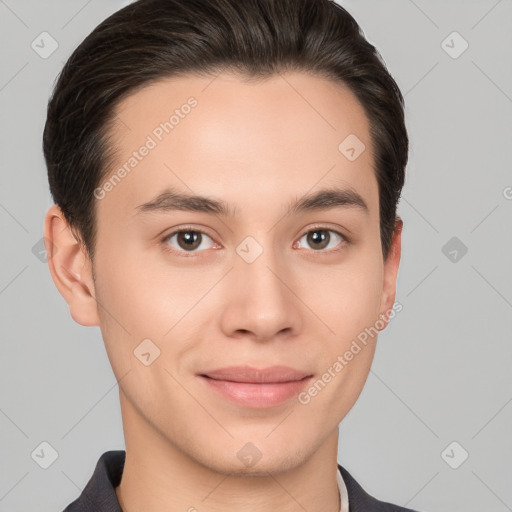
point(224, 135)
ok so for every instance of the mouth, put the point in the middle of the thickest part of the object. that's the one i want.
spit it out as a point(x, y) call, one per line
point(256, 388)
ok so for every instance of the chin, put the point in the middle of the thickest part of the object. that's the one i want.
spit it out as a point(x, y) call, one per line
point(249, 460)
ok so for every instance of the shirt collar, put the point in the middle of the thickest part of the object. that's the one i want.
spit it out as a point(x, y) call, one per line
point(343, 492)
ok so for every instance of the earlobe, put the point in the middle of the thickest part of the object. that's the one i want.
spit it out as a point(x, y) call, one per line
point(70, 268)
point(391, 265)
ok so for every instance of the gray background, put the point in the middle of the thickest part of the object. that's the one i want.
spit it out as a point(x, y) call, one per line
point(442, 368)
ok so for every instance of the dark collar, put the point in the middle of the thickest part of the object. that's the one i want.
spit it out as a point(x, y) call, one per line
point(99, 494)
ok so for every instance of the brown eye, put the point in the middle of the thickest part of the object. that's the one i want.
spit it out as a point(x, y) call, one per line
point(187, 240)
point(319, 239)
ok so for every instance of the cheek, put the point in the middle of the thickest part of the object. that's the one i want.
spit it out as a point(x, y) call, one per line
point(351, 309)
point(141, 296)
point(347, 350)
point(347, 297)
point(143, 300)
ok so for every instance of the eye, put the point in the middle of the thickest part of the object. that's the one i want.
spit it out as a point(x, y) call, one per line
point(322, 238)
point(188, 240)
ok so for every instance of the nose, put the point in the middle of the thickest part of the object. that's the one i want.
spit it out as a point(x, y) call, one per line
point(259, 301)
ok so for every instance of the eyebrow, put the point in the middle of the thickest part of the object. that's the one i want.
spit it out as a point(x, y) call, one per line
point(171, 200)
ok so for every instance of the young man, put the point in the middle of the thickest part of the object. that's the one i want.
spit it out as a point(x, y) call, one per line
point(226, 175)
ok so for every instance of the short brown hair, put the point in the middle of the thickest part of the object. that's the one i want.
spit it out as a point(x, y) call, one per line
point(153, 39)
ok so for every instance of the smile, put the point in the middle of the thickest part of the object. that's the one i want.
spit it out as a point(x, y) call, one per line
point(256, 388)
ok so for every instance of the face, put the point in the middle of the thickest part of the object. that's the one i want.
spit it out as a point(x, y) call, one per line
point(231, 319)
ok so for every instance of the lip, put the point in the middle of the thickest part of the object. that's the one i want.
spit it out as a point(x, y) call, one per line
point(256, 387)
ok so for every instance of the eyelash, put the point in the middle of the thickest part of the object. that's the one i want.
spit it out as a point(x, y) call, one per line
point(187, 254)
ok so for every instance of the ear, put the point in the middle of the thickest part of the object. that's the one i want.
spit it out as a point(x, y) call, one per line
point(70, 268)
point(390, 272)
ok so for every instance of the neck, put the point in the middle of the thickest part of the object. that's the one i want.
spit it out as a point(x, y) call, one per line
point(158, 476)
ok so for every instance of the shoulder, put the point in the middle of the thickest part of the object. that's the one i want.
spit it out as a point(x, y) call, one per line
point(99, 494)
point(360, 501)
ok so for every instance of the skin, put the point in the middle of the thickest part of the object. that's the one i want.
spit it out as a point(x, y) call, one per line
point(256, 146)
